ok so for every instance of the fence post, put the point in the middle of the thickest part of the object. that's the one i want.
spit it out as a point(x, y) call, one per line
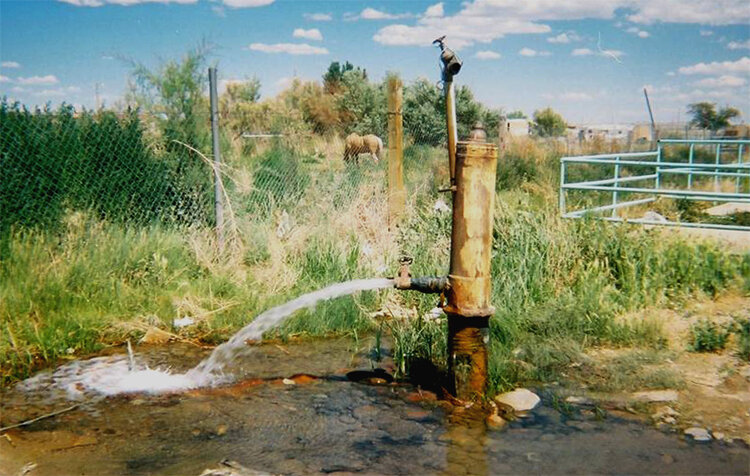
point(616, 185)
point(218, 202)
point(396, 191)
point(717, 188)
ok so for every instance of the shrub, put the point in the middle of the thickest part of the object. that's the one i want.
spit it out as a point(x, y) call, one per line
point(742, 329)
point(707, 336)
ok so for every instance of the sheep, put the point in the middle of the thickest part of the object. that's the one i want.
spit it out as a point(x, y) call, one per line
point(356, 144)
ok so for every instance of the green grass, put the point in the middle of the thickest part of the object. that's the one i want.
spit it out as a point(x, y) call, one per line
point(707, 336)
point(559, 286)
point(72, 293)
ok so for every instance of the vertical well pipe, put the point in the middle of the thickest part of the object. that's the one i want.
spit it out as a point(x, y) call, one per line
point(468, 297)
point(218, 202)
point(450, 120)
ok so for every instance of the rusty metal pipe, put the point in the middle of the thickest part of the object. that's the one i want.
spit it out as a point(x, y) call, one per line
point(469, 291)
point(423, 284)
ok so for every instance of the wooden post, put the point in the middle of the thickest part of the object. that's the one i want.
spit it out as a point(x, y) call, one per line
point(396, 190)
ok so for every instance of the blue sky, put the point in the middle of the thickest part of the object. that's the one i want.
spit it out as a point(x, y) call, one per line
point(588, 59)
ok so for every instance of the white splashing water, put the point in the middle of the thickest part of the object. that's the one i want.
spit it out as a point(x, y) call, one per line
point(209, 371)
point(115, 375)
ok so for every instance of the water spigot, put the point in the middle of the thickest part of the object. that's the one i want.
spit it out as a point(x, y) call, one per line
point(423, 284)
point(403, 280)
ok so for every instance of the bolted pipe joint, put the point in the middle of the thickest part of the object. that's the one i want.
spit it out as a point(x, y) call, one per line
point(423, 284)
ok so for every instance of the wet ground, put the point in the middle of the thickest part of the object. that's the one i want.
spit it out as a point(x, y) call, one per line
point(323, 425)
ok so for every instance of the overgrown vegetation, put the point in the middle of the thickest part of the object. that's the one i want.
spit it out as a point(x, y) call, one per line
point(707, 336)
point(301, 219)
point(54, 161)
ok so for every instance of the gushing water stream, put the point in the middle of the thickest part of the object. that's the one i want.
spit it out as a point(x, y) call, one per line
point(111, 376)
point(209, 371)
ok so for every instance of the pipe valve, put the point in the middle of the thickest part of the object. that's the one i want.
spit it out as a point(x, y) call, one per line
point(423, 284)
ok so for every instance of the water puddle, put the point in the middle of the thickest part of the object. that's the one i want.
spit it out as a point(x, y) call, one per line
point(274, 419)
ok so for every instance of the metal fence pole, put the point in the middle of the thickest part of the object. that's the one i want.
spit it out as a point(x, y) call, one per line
point(716, 171)
point(738, 180)
point(658, 169)
point(691, 156)
point(562, 187)
point(218, 202)
point(615, 185)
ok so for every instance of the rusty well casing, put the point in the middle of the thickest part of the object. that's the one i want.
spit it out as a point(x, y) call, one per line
point(468, 296)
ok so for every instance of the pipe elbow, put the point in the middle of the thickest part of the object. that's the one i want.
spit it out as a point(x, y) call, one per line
point(423, 284)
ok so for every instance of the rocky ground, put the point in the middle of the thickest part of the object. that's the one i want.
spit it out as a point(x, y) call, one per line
point(705, 395)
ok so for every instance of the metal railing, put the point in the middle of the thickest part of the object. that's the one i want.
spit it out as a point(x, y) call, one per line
point(698, 161)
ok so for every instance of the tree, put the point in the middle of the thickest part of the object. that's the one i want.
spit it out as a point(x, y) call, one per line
point(335, 75)
point(172, 93)
point(243, 91)
point(424, 113)
point(518, 114)
point(705, 115)
point(548, 123)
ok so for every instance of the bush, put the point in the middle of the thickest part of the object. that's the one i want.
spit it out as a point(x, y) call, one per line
point(742, 329)
point(707, 336)
point(53, 161)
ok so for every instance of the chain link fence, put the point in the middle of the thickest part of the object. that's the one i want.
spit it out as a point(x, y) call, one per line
point(56, 162)
point(122, 166)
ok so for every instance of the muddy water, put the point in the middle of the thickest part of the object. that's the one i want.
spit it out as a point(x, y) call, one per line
point(322, 425)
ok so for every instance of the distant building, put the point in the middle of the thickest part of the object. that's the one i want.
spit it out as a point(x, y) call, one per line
point(738, 131)
point(603, 131)
point(517, 127)
point(641, 134)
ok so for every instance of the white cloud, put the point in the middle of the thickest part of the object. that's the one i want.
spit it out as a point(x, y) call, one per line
point(108, 57)
point(615, 54)
point(126, 3)
point(38, 80)
point(716, 12)
point(487, 55)
point(638, 32)
point(10, 64)
point(373, 14)
point(50, 93)
point(435, 11)
point(18, 89)
point(531, 52)
point(482, 21)
point(318, 16)
point(725, 81)
point(706, 32)
point(311, 34)
point(245, 3)
point(228, 3)
point(739, 45)
point(564, 38)
point(671, 73)
point(289, 48)
point(4, 79)
point(741, 66)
